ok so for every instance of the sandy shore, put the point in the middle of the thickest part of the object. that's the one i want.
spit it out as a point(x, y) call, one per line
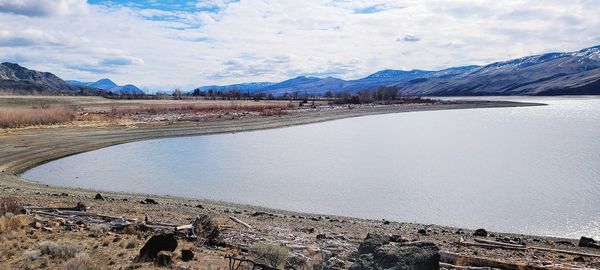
point(25, 148)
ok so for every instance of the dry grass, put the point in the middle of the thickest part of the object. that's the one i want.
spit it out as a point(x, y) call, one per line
point(21, 117)
point(12, 223)
point(270, 254)
point(10, 205)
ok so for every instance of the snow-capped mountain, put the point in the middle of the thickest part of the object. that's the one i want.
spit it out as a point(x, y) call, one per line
point(545, 74)
point(110, 87)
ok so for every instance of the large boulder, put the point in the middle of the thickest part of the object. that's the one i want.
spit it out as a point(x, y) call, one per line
point(377, 252)
point(156, 244)
point(588, 242)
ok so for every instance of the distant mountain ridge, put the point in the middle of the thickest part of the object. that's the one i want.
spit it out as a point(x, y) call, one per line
point(574, 73)
point(19, 80)
point(110, 87)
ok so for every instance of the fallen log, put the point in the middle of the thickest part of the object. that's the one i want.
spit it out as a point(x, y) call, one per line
point(458, 259)
point(566, 252)
point(517, 247)
point(497, 243)
point(238, 221)
point(472, 244)
point(447, 265)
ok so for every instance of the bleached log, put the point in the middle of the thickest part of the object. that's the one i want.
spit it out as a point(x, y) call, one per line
point(238, 221)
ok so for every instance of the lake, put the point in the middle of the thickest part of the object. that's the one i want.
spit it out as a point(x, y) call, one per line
point(533, 170)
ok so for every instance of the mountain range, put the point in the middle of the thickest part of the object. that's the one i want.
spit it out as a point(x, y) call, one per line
point(569, 73)
point(15, 79)
point(110, 86)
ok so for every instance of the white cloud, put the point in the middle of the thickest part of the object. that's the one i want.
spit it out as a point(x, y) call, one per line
point(44, 7)
point(270, 40)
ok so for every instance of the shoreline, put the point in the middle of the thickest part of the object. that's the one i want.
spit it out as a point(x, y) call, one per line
point(27, 148)
point(109, 136)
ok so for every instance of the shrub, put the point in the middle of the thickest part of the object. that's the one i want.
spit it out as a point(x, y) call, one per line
point(10, 205)
point(270, 254)
point(80, 262)
point(32, 255)
point(62, 250)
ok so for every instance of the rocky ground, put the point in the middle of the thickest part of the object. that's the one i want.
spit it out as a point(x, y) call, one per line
point(116, 226)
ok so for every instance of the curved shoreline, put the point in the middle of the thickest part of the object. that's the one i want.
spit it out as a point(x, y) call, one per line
point(40, 145)
point(30, 147)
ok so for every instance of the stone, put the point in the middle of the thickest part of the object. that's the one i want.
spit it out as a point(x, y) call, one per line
point(81, 207)
point(372, 242)
point(481, 232)
point(163, 258)
point(376, 252)
point(156, 244)
point(588, 242)
point(422, 232)
point(149, 201)
point(98, 197)
point(187, 255)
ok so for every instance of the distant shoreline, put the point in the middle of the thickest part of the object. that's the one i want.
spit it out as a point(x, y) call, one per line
point(41, 145)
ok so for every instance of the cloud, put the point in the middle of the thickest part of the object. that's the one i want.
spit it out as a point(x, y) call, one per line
point(409, 38)
point(30, 37)
point(122, 61)
point(188, 43)
point(44, 7)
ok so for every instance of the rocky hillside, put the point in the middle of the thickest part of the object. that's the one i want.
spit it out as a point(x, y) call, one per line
point(15, 79)
point(570, 73)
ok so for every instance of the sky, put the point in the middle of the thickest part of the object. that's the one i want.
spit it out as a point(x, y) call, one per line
point(163, 45)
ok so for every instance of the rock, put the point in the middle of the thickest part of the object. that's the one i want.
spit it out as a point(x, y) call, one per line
point(372, 242)
point(163, 258)
point(481, 232)
point(149, 201)
point(422, 232)
point(200, 206)
point(36, 224)
point(187, 255)
point(156, 243)
point(397, 238)
point(386, 222)
point(98, 197)
point(459, 231)
point(81, 207)
point(579, 259)
point(377, 253)
point(321, 236)
point(259, 213)
point(588, 242)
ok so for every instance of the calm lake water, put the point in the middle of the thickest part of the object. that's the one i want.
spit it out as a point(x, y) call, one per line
point(529, 170)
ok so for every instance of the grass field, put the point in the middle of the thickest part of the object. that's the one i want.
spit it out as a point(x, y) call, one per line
point(22, 111)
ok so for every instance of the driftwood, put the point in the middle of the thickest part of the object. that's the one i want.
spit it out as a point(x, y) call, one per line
point(473, 244)
point(235, 263)
point(566, 252)
point(494, 244)
point(238, 221)
point(497, 243)
point(460, 267)
point(456, 259)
